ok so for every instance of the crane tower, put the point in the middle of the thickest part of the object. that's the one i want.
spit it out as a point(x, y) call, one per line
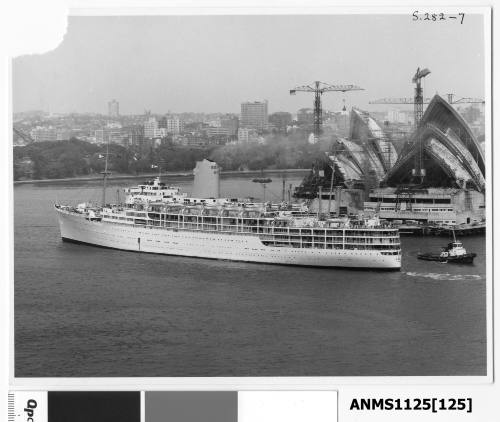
point(419, 94)
point(419, 170)
point(319, 88)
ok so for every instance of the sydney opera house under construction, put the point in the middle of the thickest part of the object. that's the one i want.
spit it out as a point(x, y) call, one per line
point(437, 177)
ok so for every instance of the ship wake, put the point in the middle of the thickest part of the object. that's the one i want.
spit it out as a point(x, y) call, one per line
point(444, 276)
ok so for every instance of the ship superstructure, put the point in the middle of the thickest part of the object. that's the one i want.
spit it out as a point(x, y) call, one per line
point(157, 191)
point(157, 218)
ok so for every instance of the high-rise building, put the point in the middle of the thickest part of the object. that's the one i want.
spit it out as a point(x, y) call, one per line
point(44, 134)
point(113, 108)
point(171, 124)
point(175, 125)
point(254, 115)
point(134, 134)
point(160, 132)
point(280, 120)
point(305, 116)
point(231, 123)
point(48, 134)
point(110, 135)
point(247, 135)
point(212, 131)
point(149, 127)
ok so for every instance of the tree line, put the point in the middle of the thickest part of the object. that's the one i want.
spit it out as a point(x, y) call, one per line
point(76, 158)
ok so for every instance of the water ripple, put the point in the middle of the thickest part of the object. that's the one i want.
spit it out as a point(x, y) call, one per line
point(444, 276)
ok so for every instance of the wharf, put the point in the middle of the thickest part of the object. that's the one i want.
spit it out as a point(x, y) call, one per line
point(431, 230)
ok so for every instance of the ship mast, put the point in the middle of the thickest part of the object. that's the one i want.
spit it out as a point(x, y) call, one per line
point(105, 175)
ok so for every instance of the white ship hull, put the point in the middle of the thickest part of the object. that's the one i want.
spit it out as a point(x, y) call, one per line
point(214, 245)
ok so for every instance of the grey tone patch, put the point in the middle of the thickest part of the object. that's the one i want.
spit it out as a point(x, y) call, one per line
point(191, 406)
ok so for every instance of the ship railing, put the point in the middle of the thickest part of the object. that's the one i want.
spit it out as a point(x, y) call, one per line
point(307, 244)
point(254, 225)
point(321, 240)
point(233, 224)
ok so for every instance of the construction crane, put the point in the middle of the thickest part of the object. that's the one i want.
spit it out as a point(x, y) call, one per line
point(465, 100)
point(410, 101)
point(319, 88)
point(419, 170)
point(405, 100)
point(418, 101)
point(419, 94)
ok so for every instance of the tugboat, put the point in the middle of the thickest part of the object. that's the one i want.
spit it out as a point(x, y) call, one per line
point(453, 253)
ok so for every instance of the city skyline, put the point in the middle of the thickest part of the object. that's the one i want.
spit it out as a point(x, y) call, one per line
point(211, 64)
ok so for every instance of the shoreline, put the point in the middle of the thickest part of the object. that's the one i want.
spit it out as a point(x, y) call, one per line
point(148, 175)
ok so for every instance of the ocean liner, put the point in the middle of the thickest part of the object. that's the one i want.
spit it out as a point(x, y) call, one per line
point(157, 218)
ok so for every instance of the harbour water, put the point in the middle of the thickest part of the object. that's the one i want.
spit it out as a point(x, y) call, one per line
point(83, 311)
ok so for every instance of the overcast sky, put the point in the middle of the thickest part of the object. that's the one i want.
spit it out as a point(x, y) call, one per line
point(213, 63)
